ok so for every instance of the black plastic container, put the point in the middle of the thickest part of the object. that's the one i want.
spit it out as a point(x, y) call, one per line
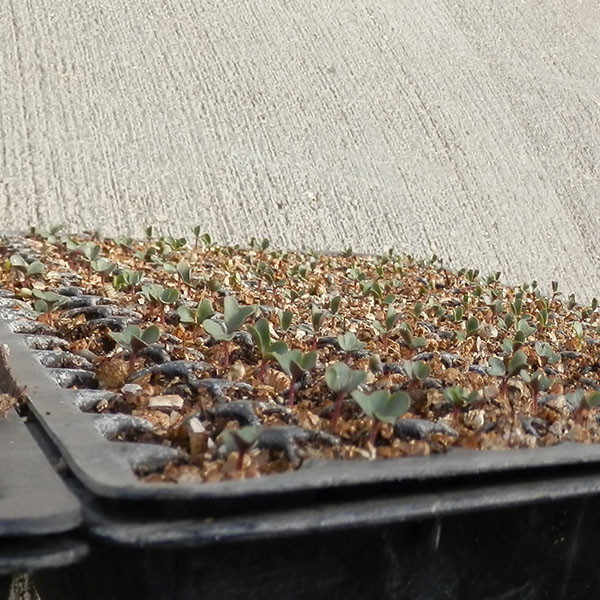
point(37, 511)
point(510, 524)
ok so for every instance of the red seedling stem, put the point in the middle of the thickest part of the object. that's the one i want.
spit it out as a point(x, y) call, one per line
point(132, 357)
point(240, 460)
point(292, 392)
point(374, 432)
point(262, 370)
point(226, 355)
point(337, 409)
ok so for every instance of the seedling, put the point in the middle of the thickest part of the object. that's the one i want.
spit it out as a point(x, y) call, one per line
point(517, 306)
point(160, 296)
point(376, 289)
point(285, 319)
point(416, 371)
point(583, 401)
point(537, 382)
point(508, 367)
point(16, 261)
point(382, 407)
point(50, 234)
point(413, 343)
point(334, 305)
point(357, 276)
point(510, 346)
point(493, 278)
point(175, 244)
point(523, 326)
point(507, 322)
point(90, 252)
point(261, 335)
point(264, 271)
point(375, 364)
point(260, 246)
point(318, 317)
point(196, 231)
point(135, 340)
point(418, 309)
point(542, 317)
point(234, 317)
point(342, 380)
point(545, 352)
point(240, 441)
point(197, 316)
point(295, 363)
point(46, 302)
point(459, 398)
point(458, 314)
point(349, 343)
point(127, 279)
point(579, 332)
point(388, 326)
point(471, 329)
point(103, 266)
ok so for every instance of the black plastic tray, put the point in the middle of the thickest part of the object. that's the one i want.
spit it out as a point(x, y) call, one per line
point(107, 467)
point(37, 511)
point(33, 499)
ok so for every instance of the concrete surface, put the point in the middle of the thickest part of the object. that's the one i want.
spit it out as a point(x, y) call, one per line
point(469, 129)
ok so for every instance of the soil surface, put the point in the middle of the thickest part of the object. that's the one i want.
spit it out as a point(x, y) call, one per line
point(482, 365)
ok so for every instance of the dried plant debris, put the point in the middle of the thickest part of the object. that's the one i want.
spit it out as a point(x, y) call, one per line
point(253, 361)
point(7, 401)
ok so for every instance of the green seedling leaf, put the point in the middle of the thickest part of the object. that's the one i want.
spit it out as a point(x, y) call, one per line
point(382, 405)
point(235, 315)
point(101, 265)
point(416, 370)
point(317, 318)
point(472, 326)
point(348, 342)
point(524, 327)
point(36, 268)
point(496, 367)
point(203, 311)
point(375, 364)
point(240, 440)
point(537, 380)
point(17, 261)
point(261, 336)
point(285, 319)
point(334, 305)
point(578, 329)
point(516, 363)
point(217, 331)
point(593, 399)
point(339, 377)
point(294, 362)
point(460, 397)
point(406, 333)
point(168, 296)
point(544, 350)
point(90, 251)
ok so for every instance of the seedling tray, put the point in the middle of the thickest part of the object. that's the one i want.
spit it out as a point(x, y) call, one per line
point(467, 524)
point(107, 468)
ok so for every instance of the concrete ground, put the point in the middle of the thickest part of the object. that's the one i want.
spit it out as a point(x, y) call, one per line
point(469, 129)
